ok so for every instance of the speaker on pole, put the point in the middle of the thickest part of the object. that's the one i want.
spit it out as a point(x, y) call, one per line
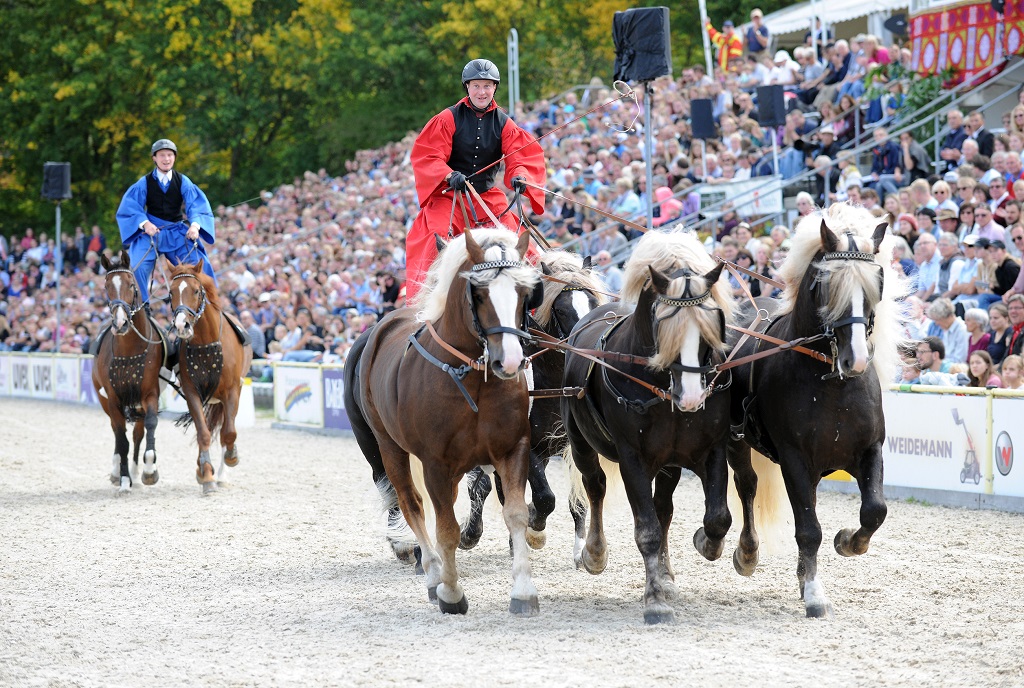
point(702, 121)
point(771, 106)
point(57, 181)
point(643, 51)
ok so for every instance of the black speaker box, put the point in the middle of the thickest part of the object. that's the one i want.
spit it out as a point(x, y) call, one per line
point(643, 51)
point(771, 106)
point(56, 181)
point(702, 122)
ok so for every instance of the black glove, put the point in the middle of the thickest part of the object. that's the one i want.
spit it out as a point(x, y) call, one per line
point(457, 181)
point(519, 184)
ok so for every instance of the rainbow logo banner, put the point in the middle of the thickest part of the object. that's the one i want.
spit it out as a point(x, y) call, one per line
point(966, 37)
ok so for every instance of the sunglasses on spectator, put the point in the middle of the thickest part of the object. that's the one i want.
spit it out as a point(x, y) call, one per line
point(1019, 237)
point(963, 188)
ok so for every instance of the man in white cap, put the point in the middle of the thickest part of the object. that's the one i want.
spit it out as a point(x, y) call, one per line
point(786, 72)
point(758, 37)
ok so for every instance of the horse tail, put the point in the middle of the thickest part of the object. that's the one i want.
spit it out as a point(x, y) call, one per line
point(365, 438)
point(772, 515)
point(578, 498)
point(214, 417)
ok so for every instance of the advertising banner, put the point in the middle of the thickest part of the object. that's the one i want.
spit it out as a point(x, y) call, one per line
point(5, 375)
point(1007, 437)
point(335, 416)
point(298, 394)
point(935, 441)
point(66, 379)
point(41, 368)
point(87, 393)
point(966, 37)
point(21, 376)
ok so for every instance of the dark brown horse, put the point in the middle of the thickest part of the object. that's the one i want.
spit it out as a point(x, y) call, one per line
point(213, 356)
point(443, 384)
point(126, 373)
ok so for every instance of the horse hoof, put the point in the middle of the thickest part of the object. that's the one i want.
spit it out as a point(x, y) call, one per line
point(536, 539)
point(820, 611)
point(659, 613)
point(115, 479)
point(231, 458)
point(708, 548)
point(209, 488)
point(150, 478)
point(460, 607)
point(591, 565)
point(432, 594)
point(470, 536)
point(744, 565)
point(528, 607)
point(843, 541)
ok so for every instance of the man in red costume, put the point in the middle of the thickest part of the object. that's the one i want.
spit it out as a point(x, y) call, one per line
point(448, 155)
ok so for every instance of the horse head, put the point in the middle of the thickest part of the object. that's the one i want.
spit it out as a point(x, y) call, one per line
point(500, 291)
point(571, 291)
point(189, 297)
point(847, 288)
point(688, 325)
point(123, 299)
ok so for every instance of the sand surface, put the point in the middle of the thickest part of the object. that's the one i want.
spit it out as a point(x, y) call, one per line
point(282, 578)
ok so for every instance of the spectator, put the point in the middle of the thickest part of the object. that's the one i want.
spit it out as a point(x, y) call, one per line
point(916, 163)
point(259, 342)
point(967, 227)
point(942, 193)
point(931, 356)
point(804, 204)
point(984, 137)
point(949, 328)
point(836, 73)
point(950, 265)
point(948, 221)
point(954, 139)
point(1004, 270)
point(611, 274)
point(965, 189)
point(982, 371)
point(758, 37)
point(976, 321)
point(926, 221)
point(987, 227)
point(906, 228)
point(729, 45)
point(921, 195)
point(826, 178)
point(1017, 235)
point(999, 332)
point(1013, 372)
point(1015, 309)
point(669, 209)
point(928, 259)
point(786, 72)
point(887, 161)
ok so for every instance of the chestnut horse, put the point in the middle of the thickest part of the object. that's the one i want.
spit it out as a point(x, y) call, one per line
point(213, 357)
point(126, 373)
point(842, 299)
point(444, 384)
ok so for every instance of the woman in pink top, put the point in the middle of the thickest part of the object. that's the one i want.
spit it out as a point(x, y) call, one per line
point(671, 208)
point(982, 371)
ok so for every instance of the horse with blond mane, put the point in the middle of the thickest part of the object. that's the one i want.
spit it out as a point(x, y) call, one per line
point(656, 413)
point(813, 417)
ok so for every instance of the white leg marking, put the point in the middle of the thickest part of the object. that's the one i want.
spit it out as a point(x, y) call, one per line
point(149, 462)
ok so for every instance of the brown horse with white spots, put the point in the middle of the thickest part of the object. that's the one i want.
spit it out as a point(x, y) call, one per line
point(213, 357)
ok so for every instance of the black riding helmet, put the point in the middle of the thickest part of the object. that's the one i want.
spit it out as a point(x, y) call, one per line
point(480, 69)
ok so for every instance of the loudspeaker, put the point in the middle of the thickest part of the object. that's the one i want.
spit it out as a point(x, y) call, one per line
point(771, 106)
point(702, 122)
point(643, 51)
point(56, 181)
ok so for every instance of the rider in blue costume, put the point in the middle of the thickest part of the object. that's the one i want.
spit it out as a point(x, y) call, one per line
point(151, 220)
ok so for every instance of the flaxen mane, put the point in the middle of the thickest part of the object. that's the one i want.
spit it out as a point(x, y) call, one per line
point(567, 267)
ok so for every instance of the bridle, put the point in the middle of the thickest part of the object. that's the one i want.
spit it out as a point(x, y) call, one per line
point(560, 330)
point(481, 332)
point(820, 285)
point(182, 308)
point(130, 308)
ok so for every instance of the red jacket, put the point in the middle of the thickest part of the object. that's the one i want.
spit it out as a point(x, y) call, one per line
point(430, 155)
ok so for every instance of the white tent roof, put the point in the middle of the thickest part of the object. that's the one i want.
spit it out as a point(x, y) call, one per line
point(798, 17)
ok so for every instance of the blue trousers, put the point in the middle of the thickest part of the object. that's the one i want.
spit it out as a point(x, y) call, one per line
point(170, 242)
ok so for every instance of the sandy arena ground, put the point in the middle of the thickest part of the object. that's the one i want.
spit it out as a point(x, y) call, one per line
point(282, 579)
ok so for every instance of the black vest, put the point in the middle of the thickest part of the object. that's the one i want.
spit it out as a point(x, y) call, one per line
point(476, 143)
point(165, 205)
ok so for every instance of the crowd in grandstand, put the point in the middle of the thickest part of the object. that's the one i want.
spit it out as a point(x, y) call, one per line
point(320, 259)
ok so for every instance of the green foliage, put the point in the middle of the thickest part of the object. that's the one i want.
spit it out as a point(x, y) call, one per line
point(254, 92)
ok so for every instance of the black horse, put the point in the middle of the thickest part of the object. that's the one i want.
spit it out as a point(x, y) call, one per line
point(673, 313)
point(571, 291)
point(810, 417)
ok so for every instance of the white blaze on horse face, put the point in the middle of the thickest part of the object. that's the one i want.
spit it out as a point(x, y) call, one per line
point(859, 335)
point(504, 299)
point(693, 391)
point(580, 304)
point(179, 319)
point(120, 316)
